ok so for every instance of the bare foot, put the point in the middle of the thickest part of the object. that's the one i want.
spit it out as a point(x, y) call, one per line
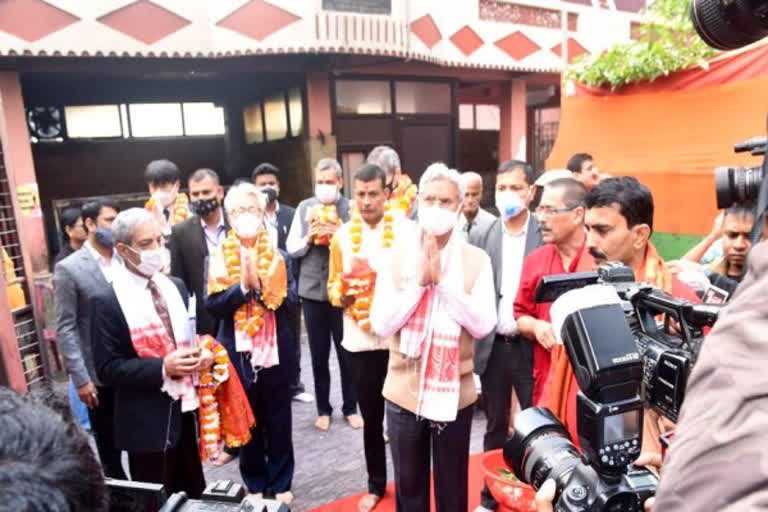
point(368, 502)
point(255, 496)
point(323, 423)
point(355, 421)
point(286, 497)
point(224, 458)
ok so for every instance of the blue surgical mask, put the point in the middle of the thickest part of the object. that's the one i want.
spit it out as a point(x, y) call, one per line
point(105, 237)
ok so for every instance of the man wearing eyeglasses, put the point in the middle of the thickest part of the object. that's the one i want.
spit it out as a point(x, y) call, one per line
point(561, 217)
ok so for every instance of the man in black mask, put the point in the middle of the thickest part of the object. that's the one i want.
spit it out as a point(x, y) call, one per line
point(279, 217)
point(276, 214)
point(192, 240)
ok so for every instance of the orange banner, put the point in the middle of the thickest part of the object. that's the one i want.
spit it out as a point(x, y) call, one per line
point(671, 134)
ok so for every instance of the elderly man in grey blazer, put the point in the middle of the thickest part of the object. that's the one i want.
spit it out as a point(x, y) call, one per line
point(473, 221)
point(504, 359)
point(77, 279)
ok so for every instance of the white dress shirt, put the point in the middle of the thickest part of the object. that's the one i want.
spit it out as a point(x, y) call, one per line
point(512, 256)
point(474, 311)
point(214, 236)
point(297, 243)
point(355, 339)
point(108, 268)
point(271, 217)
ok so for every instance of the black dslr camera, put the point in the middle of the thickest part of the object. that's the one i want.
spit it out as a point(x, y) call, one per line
point(667, 349)
point(609, 371)
point(617, 352)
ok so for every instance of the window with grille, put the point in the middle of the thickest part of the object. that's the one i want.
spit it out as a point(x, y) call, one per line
point(546, 124)
point(23, 315)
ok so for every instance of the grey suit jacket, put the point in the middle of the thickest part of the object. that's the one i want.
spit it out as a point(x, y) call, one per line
point(491, 242)
point(481, 224)
point(76, 280)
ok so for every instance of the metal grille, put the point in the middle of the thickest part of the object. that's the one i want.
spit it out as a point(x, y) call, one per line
point(544, 136)
point(23, 317)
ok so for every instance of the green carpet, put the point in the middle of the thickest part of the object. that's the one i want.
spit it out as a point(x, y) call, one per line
point(672, 246)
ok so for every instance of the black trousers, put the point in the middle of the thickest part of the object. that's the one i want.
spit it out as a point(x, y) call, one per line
point(178, 468)
point(267, 462)
point(510, 365)
point(412, 440)
point(370, 369)
point(297, 386)
point(325, 325)
point(102, 424)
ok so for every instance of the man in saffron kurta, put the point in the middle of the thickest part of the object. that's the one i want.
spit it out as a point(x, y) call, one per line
point(358, 251)
point(561, 217)
point(619, 222)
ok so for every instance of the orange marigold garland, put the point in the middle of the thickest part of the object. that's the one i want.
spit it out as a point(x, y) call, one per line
point(325, 213)
point(404, 195)
point(361, 279)
point(225, 414)
point(181, 211)
point(210, 380)
point(249, 316)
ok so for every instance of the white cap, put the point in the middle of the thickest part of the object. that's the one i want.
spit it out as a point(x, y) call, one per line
point(550, 176)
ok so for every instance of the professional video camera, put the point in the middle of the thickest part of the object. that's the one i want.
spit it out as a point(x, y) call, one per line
point(616, 349)
point(740, 184)
point(730, 24)
point(223, 496)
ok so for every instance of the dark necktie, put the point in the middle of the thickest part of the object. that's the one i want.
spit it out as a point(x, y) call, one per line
point(469, 225)
point(162, 309)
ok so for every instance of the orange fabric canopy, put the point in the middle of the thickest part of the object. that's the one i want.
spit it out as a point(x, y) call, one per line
point(672, 133)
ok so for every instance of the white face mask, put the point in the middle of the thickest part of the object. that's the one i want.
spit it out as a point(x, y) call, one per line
point(165, 198)
point(325, 193)
point(509, 203)
point(247, 225)
point(151, 261)
point(437, 221)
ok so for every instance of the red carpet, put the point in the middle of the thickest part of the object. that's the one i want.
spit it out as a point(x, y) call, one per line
point(387, 504)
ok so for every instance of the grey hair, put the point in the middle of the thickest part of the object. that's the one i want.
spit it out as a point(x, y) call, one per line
point(469, 176)
point(386, 158)
point(241, 191)
point(127, 221)
point(439, 171)
point(326, 164)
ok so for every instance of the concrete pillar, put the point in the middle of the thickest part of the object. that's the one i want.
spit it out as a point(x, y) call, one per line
point(22, 183)
point(514, 124)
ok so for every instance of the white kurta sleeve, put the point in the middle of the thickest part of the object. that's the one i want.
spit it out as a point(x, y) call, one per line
point(474, 311)
point(391, 307)
point(297, 243)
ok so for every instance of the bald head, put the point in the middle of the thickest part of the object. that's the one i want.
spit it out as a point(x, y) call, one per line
point(473, 186)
